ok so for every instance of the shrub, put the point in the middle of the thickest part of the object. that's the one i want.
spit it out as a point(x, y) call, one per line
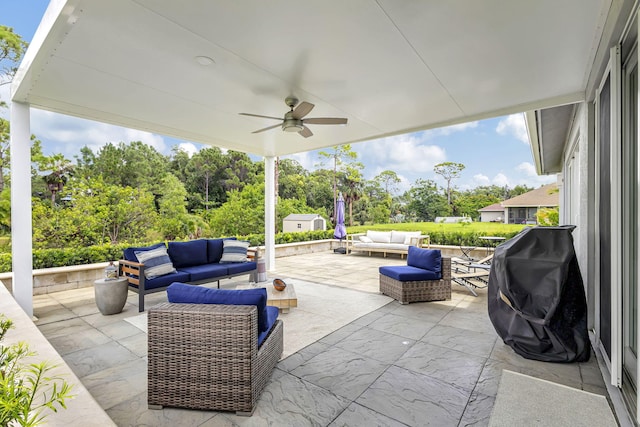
point(26, 389)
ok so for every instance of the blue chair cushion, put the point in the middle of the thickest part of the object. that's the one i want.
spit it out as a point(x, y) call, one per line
point(407, 273)
point(272, 316)
point(214, 249)
point(206, 271)
point(191, 294)
point(241, 267)
point(166, 280)
point(186, 254)
point(130, 253)
point(427, 259)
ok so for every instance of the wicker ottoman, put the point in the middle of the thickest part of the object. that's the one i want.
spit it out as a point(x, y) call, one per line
point(417, 291)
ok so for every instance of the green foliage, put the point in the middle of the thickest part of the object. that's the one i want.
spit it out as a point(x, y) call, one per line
point(548, 217)
point(450, 234)
point(26, 390)
point(427, 202)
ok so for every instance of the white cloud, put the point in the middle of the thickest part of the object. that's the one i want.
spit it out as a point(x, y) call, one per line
point(68, 134)
point(500, 180)
point(305, 159)
point(189, 147)
point(480, 180)
point(528, 169)
point(454, 128)
point(513, 125)
point(402, 153)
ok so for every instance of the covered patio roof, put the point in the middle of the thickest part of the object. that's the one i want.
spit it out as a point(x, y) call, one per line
point(388, 67)
point(186, 69)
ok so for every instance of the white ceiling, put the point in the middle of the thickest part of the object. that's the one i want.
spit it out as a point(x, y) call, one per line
point(388, 66)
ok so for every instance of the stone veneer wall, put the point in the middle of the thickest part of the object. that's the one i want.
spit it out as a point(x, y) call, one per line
point(58, 279)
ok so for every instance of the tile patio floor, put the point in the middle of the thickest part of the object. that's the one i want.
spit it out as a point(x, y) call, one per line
point(436, 363)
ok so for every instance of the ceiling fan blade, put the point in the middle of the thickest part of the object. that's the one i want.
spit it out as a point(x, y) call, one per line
point(306, 132)
point(267, 128)
point(302, 110)
point(326, 121)
point(258, 115)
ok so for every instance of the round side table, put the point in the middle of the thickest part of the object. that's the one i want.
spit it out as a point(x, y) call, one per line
point(111, 295)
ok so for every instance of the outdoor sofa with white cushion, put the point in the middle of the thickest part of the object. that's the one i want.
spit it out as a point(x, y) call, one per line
point(386, 242)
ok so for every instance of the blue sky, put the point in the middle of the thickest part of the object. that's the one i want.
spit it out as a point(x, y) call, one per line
point(494, 151)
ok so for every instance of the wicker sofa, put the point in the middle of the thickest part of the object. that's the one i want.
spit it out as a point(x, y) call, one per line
point(195, 262)
point(426, 277)
point(385, 242)
point(208, 356)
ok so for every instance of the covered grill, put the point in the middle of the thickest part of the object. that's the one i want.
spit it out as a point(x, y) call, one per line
point(537, 302)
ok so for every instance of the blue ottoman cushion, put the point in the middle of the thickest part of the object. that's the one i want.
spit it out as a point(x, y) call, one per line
point(191, 294)
point(407, 273)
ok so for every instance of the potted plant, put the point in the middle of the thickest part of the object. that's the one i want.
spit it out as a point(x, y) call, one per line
point(26, 389)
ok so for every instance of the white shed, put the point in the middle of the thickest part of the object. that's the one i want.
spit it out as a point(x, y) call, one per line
point(303, 222)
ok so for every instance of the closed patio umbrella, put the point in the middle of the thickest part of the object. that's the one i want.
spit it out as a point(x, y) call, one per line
point(340, 231)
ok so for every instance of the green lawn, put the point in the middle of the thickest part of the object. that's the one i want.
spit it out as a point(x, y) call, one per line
point(449, 234)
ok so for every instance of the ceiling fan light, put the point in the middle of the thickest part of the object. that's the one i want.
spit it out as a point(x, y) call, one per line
point(292, 125)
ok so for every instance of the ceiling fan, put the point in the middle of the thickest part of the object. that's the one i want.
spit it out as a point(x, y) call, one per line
point(293, 120)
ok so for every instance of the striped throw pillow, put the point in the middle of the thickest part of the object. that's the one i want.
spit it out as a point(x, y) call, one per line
point(156, 262)
point(234, 251)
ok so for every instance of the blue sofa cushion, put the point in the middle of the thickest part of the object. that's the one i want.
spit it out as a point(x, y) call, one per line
point(234, 251)
point(407, 273)
point(166, 280)
point(427, 259)
point(156, 262)
point(186, 254)
point(130, 253)
point(214, 249)
point(190, 294)
point(241, 267)
point(206, 271)
point(272, 316)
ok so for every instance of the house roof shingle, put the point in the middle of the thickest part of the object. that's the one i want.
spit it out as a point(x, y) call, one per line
point(547, 195)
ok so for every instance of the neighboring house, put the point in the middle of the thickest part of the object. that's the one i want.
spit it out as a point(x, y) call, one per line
point(492, 213)
point(522, 209)
point(303, 222)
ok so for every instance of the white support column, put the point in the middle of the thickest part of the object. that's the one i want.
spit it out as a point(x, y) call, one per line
point(21, 228)
point(270, 212)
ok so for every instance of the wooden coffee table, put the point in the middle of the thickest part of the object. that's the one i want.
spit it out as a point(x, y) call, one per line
point(284, 300)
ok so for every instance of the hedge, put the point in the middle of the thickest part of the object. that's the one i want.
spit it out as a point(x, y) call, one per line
point(440, 234)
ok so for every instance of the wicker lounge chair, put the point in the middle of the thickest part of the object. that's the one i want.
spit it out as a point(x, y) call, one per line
point(206, 356)
point(403, 283)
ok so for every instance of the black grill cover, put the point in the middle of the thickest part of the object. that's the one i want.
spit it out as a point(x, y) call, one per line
point(537, 302)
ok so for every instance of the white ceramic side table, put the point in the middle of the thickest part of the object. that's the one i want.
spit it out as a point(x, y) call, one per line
point(111, 295)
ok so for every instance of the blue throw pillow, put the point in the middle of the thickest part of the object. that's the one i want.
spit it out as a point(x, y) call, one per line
point(427, 259)
point(187, 254)
point(130, 253)
point(234, 251)
point(156, 262)
point(214, 249)
point(191, 294)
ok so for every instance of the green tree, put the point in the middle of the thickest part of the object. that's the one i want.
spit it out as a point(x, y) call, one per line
point(449, 171)
point(318, 190)
point(246, 207)
point(174, 220)
point(341, 155)
point(292, 179)
point(12, 47)
point(426, 201)
point(388, 180)
point(204, 174)
point(352, 186)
